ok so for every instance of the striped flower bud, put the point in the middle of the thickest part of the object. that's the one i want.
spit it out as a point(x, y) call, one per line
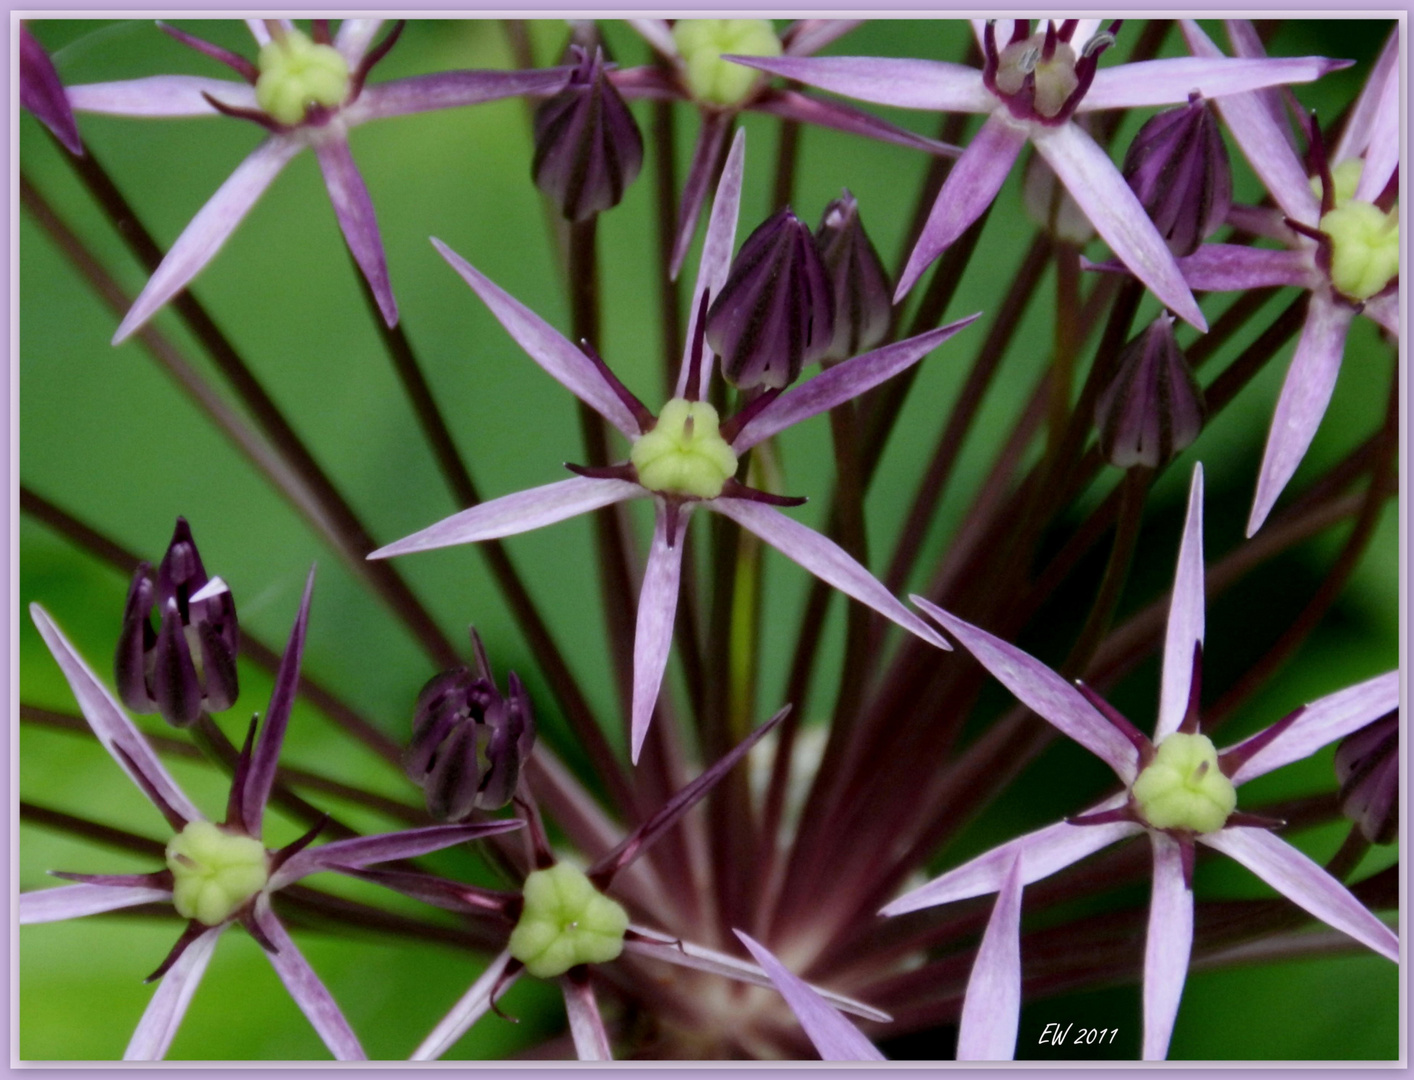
point(1153, 408)
point(1178, 167)
point(1367, 768)
point(862, 293)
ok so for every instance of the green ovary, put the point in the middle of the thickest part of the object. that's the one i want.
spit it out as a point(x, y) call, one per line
point(701, 43)
point(685, 453)
point(1183, 788)
point(296, 73)
point(214, 872)
point(1364, 248)
point(566, 921)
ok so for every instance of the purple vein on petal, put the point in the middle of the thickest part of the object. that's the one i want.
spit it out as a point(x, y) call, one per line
point(591, 1041)
point(1382, 153)
point(160, 95)
point(1232, 267)
point(714, 265)
point(657, 609)
point(354, 209)
point(1185, 621)
point(76, 901)
point(935, 85)
point(1360, 127)
point(991, 1011)
point(362, 851)
point(1166, 947)
point(451, 89)
point(169, 1001)
point(1166, 82)
point(803, 108)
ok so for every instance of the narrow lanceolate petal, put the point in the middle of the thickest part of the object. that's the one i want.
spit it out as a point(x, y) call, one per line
point(1168, 82)
point(1310, 381)
point(164, 1012)
point(973, 183)
point(205, 234)
point(1232, 268)
point(546, 345)
point(304, 986)
point(793, 105)
point(657, 608)
point(42, 93)
point(360, 851)
point(1324, 721)
point(591, 1041)
point(825, 559)
point(991, 1011)
point(450, 89)
point(834, 1037)
point(807, 36)
point(1043, 691)
point(715, 264)
point(1167, 947)
point(516, 513)
point(1304, 883)
point(75, 901)
point(1185, 624)
point(1385, 311)
point(908, 84)
point(841, 383)
point(1382, 152)
point(160, 95)
point(1041, 854)
point(112, 726)
point(354, 38)
point(474, 1004)
point(354, 209)
point(711, 134)
point(1101, 192)
point(1360, 128)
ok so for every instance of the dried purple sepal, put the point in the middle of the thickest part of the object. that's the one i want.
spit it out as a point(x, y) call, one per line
point(588, 148)
point(42, 93)
point(1154, 407)
point(1367, 768)
point(776, 312)
point(1178, 167)
point(862, 292)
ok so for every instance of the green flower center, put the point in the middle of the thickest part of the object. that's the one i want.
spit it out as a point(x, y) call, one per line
point(295, 73)
point(685, 453)
point(1055, 78)
point(214, 872)
point(566, 921)
point(1345, 177)
point(1183, 788)
point(701, 43)
point(1364, 247)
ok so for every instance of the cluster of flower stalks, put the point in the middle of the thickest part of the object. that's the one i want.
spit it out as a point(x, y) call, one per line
point(945, 406)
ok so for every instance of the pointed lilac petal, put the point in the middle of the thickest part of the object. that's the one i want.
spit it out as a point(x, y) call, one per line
point(164, 1012)
point(716, 262)
point(1169, 82)
point(658, 34)
point(160, 95)
point(711, 133)
point(991, 1011)
point(354, 209)
point(1264, 144)
point(1322, 722)
point(826, 560)
point(1265, 221)
point(1382, 153)
point(1105, 196)
point(214, 222)
point(802, 108)
point(1185, 622)
point(516, 513)
point(354, 37)
point(657, 608)
point(1385, 311)
point(651, 943)
point(1043, 691)
point(807, 36)
point(1041, 854)
point(1167, 946)
point(450, 90)
point(935, 85)
point(1360, 127)
point(472, 1006)
point(834, 1037)
point(76, 901)
point(841, 383)
point(362, 851)
point(261, 32)
point(546, 345)
point(1310, 381)
point(972, 184)
point(1305, 884)
point(109, 722)
point(1242, 36)
point(1233, 268)
point(304, 986)
point(591, 1041)
point(42, 93)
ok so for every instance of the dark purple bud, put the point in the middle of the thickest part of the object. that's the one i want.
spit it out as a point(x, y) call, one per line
point(42, 93)
point(186, 663)
point(862, 293)
point(588, 149)
point(1367, 768)
point(1154, 407)
point(1178, 167)
point(468, 741)
point(776, 312)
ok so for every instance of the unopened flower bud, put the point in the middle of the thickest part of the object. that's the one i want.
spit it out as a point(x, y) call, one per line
point(468, 741)
point(1153, 408)
point(776, 312)
point(1178, 167)
point(186, 665)
point(1367, 768)
point(861, 289)
point(588, 148)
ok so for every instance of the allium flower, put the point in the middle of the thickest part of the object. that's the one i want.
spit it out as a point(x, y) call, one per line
point(682, 459)
point(1031, 89)
point(306, 92)
point(1180, 790)
point(1341, 229)
point(219, 874)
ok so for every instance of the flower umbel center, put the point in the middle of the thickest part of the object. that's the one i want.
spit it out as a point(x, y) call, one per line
point(295, 73)
point(1364, 247)
point(1183, 787)
point(701, 43)
point(566, 921)
point(214, 872)
point(685, 453)
point(1055, 77)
